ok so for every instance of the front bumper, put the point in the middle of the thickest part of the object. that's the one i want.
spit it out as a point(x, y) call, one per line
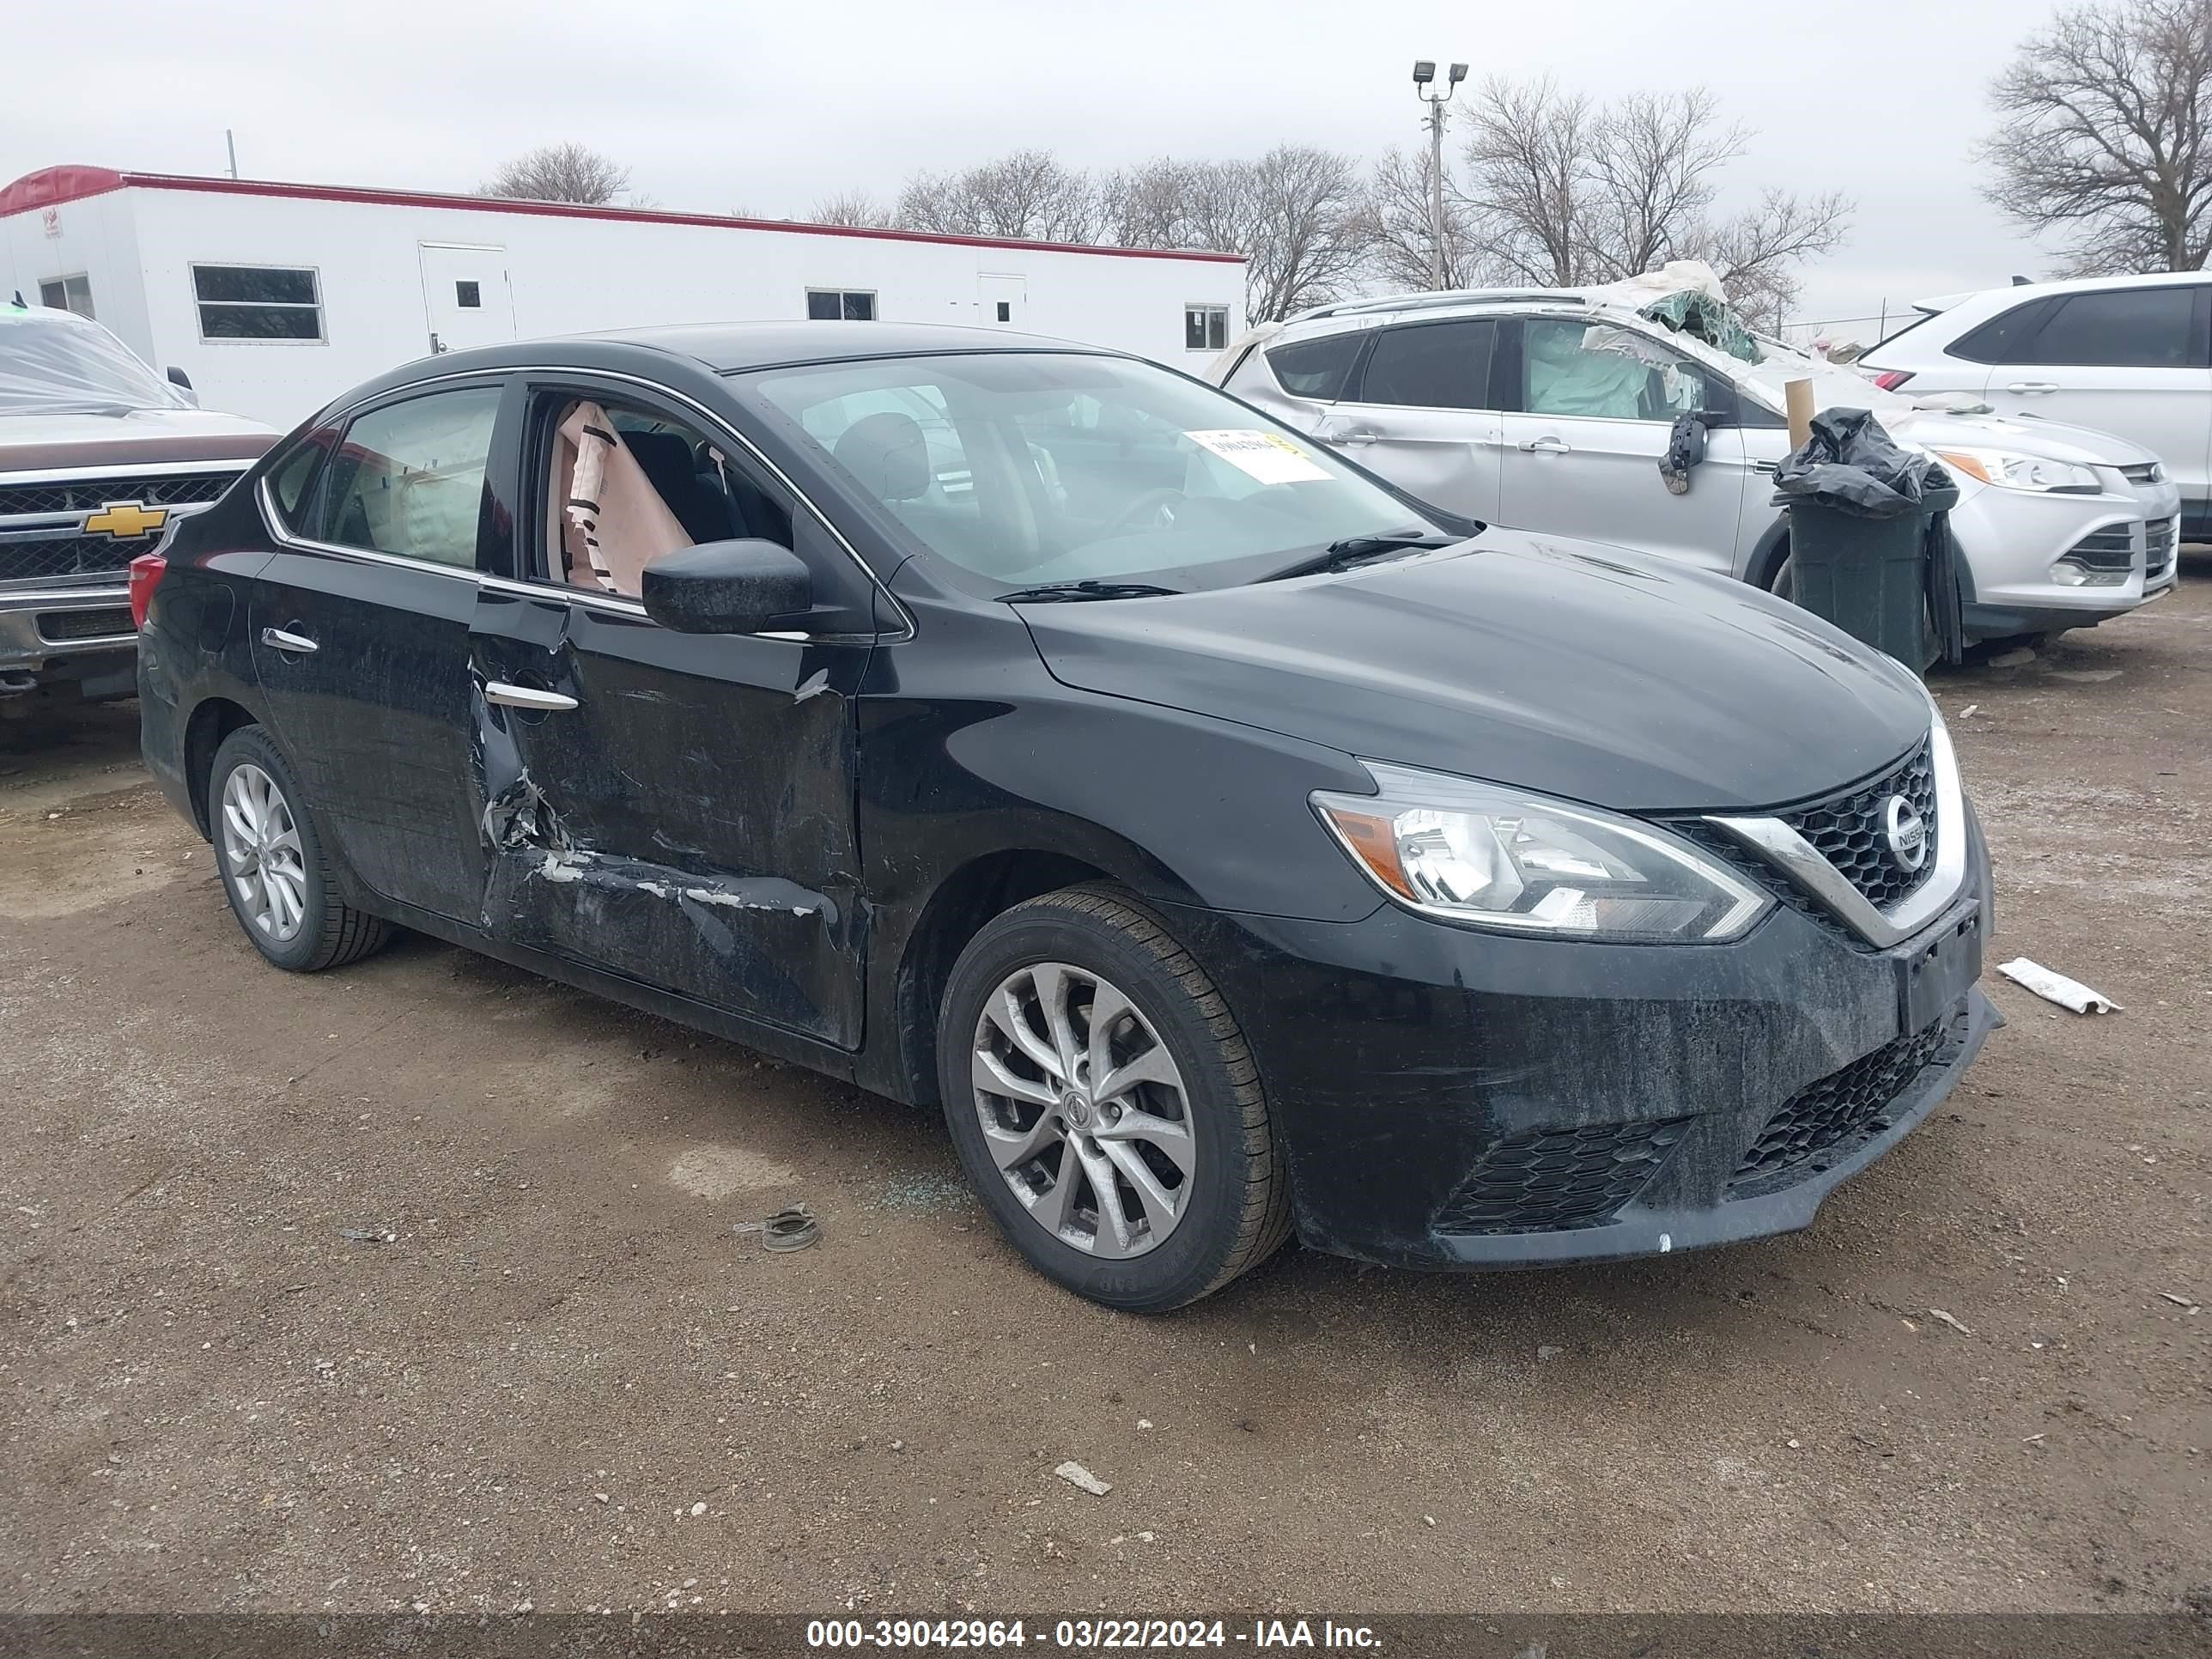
point(1455, 1099)
point(2011, 538)
point(68, 633)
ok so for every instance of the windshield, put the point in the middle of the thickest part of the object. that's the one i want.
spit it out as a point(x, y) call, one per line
point(54, 363)
point(1032, 467)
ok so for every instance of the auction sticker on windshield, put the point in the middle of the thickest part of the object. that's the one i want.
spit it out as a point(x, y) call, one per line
point(1264, 455)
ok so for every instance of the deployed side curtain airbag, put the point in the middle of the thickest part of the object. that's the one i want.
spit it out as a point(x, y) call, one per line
point(614, 522)
point(1567, 377)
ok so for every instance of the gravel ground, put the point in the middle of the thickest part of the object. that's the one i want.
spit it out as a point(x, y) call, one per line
point(557, 1374)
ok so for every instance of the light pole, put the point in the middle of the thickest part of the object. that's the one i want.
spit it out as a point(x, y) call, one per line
point(1424, 73)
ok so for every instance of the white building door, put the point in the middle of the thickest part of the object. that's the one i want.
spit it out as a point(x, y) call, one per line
point(466, 299)
point(1002, 301)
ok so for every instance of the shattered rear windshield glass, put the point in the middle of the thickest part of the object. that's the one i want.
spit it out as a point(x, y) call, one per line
point(53, 363)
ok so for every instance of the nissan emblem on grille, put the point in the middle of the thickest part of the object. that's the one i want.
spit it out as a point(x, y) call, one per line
point(1906, 832)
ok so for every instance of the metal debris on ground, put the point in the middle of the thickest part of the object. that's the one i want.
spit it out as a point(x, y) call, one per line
point(1076, 1476)
point(2056, 987)
point(1939, 1314)
point(368, 1234)
point(793, 1228)
point(2187, 1302)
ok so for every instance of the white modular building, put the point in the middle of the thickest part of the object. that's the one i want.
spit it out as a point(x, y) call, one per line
point(273, 298)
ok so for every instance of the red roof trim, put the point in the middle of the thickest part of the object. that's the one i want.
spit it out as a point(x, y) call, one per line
point(69, 184)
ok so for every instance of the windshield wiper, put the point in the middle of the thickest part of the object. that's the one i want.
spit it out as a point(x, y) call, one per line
point(1068, 592)
point(1356, 549)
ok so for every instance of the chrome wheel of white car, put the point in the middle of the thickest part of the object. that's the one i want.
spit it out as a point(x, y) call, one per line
point(1083, 1110)
point(261, 845)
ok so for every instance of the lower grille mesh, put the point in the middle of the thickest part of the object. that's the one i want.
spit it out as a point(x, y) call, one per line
point(1819, 1121)
point(1555, 1180)
point(60, 626)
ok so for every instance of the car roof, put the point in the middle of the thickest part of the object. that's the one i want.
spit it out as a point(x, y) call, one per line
point(2018, 291)
point(730, 348)
point(710, 350)
point(47, 314)
point(1444, 300)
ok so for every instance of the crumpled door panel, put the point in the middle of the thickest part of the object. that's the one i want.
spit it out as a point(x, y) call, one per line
point(684, 824)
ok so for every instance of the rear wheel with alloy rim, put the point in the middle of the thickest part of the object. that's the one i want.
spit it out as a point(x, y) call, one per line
point(274, 870)
point(1105, 1105)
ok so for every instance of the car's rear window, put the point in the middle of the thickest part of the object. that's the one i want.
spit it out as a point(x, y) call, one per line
point(1316, 368)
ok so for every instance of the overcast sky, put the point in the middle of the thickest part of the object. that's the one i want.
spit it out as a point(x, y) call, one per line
point(719, 105)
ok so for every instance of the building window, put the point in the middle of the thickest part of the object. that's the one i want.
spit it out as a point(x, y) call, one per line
point(468, 296)
point(1205, 328)
point(827, 305)
point(257, 302)
point(67, 294)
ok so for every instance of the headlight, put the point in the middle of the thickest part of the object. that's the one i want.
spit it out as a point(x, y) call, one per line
point(1475, 853)
point(2009, 470)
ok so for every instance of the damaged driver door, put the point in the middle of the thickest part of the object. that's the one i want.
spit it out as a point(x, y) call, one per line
point(674, 808)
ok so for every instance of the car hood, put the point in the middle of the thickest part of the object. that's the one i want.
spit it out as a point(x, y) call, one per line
point(2051, 440)
point(44, 442)
point(1580, 670)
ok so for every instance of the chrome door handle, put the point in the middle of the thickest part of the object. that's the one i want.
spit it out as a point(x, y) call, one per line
point(278, 639)
point(526, 696)
point(1346, 437)
point(1547, 446)
point(2030, 388)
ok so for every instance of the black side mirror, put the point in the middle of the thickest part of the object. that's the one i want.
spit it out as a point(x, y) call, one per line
point(728, 587)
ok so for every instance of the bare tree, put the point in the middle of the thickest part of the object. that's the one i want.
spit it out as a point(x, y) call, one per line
point(1561, 189)
point(2106, 117)
point(1526, 148)
point(1757, 254)
point(1299, 216)
point(560, 172)
point(1648, 177)
point(1028, 194)
point(1147, 206)
point(855, 207)
point(1399, 230)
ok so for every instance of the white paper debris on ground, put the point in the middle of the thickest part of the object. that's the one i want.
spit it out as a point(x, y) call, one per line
point(1076, 1476)
point(2056, 987)
point(1939, 1314)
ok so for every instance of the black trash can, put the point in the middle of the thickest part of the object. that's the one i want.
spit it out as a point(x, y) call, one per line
point(1869, 547)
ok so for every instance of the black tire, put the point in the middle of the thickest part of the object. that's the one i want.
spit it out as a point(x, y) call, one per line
point(330, 932)
point(1978, 652)
point(1782, 580)
point(1238, 1212)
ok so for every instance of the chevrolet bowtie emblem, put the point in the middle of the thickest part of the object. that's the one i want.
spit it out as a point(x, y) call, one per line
point(124, 519)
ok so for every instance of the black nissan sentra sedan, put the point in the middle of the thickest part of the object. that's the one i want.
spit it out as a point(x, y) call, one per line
point(1232, 845)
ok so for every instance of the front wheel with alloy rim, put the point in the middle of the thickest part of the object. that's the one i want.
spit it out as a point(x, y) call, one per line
point(1105, 1105)
point(272, 863)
